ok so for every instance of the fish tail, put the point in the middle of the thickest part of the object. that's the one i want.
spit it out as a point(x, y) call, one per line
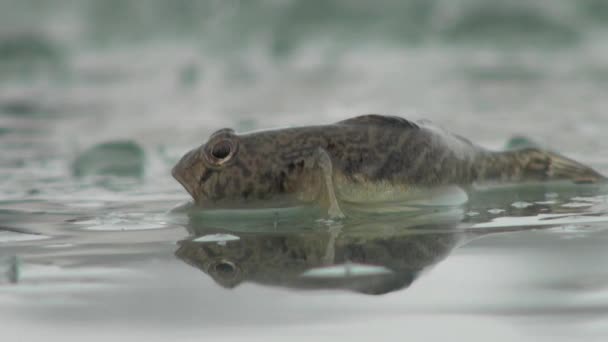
point(565, 168)
point(534, 164)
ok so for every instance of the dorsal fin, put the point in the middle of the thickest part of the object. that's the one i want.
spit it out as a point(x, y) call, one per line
point(376, 119)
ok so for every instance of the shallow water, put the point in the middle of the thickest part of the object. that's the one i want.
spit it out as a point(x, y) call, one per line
point(95, 108)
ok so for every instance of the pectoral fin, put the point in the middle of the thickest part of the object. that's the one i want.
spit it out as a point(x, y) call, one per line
point(325, 164)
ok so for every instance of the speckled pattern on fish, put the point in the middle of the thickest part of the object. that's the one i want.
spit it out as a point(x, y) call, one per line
point(320, 163)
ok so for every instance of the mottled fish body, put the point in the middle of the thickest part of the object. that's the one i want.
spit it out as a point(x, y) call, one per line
point(370, 156)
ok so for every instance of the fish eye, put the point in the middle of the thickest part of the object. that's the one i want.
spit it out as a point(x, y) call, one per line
point(225, 269)
point(221, 150)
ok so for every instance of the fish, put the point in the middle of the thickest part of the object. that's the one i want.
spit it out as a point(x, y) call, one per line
point(368, 158)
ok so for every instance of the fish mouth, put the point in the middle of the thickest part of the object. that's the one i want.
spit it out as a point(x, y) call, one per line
point(179, 178)
point(182, 172)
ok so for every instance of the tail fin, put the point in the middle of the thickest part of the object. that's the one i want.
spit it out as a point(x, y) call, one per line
point(565, 168)
point(534, 164)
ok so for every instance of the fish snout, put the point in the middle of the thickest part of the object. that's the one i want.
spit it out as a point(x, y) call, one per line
point(184, 173)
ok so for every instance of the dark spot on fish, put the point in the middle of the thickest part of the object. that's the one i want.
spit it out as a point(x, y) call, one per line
point(355, 253)
point(210, 252)
point(266, 177)
point(248, 190)
point(281, 181)
point(246, 193)
point(246, 171)
point(236, 183)
point(392, 165)
point(292, 166)
point(205, 176)
point(219, 190)
point(353, 164)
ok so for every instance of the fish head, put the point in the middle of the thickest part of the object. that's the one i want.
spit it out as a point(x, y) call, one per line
point(214, 170)
point(231, 170)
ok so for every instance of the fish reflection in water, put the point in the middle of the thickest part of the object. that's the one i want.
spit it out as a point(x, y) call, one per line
point(365, 256)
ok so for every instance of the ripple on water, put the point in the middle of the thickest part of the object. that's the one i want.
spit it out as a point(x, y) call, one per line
point(7, 237)
point(543, 220)
point(51, 280)
point(594, 199)
point(123, 222)
point(577, 205)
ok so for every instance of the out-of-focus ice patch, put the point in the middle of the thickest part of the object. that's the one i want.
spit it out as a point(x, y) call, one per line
point(577, 205)
point(6, 237)
point(596, 199)
point(346, 270)
point(496, 211)
point(550, 202)
point(125, 226)
point(540, 220)
point(521, 205)
point(219, 238)
point(551, 195)
point(520, 142)
point(118, 158)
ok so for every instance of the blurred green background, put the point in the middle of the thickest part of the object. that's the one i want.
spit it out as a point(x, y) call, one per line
point(136, 68)
point(280, 25)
